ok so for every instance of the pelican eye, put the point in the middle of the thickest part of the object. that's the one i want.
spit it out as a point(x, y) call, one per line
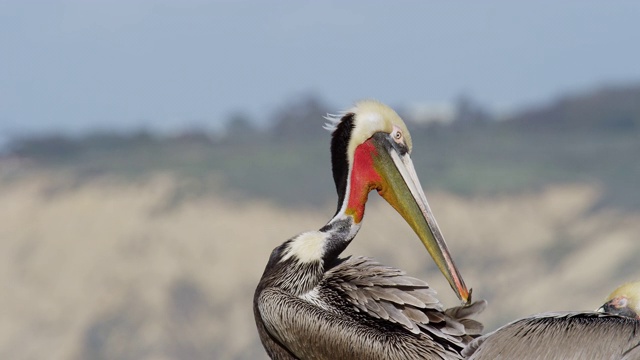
point(397, 136)
point(620, 302)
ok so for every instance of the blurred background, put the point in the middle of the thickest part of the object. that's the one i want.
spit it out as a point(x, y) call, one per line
point(153, 153)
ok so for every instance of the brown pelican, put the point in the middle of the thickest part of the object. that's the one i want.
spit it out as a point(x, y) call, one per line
point(611, 332)
point(311, 304)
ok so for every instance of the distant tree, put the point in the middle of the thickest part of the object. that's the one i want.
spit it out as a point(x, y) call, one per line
point(44, 147)
point(108, 139)
point(193, 136)
point(301, 118)
point(469, 112)
point(240, 123)
point(241, 129)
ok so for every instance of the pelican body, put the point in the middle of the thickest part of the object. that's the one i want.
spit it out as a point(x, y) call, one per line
point(611, 332)
point(312, 304)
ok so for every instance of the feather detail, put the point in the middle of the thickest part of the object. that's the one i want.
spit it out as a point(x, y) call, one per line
point(332, 121)
point(386, 293)
point(563, 335)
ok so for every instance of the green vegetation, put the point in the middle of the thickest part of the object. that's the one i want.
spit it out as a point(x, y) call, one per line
point(501, 158)
point(592, 138)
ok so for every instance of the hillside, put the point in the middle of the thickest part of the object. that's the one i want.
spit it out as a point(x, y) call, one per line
point(106, 270)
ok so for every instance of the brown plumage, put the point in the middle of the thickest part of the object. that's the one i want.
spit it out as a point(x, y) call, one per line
point(364, 310)
point(568, 335)
point(312, 304)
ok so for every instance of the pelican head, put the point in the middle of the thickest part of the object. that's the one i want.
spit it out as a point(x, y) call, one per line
point(624, 301)
point(370, 150)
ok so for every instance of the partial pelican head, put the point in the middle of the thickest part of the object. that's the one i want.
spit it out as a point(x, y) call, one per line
point(624, 301)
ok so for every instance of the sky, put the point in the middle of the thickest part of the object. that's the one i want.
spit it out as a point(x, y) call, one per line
point(72, 66)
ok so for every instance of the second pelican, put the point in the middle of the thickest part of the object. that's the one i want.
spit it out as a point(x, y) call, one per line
point(611, 332)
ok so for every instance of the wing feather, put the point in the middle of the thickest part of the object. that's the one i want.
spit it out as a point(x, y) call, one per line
point(568, 335)
point(362, 309)
point(384, 292)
